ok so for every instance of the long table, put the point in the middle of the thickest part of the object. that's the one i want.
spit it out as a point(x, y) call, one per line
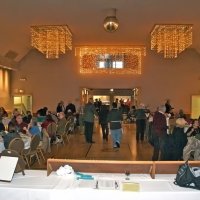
point(36, 185)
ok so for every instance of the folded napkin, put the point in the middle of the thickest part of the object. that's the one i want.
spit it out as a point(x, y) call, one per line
point(66, 170)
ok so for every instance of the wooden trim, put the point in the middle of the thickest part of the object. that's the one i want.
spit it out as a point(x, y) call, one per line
point(104, 166)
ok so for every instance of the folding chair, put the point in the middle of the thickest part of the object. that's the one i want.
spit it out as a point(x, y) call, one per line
point(32, 151)
point(20, 163)
point(17, 145)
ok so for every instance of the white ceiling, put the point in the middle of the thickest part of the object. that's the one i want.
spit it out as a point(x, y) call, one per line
point(85, 19)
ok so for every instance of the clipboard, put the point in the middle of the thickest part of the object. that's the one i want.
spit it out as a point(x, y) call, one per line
point(7, 168)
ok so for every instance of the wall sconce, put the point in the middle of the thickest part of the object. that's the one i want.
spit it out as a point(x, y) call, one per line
point(23, 79)
point(21, 91)
point(111, 22)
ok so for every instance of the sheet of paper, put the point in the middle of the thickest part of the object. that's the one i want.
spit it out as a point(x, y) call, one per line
point(7, 167)
point(108, 184)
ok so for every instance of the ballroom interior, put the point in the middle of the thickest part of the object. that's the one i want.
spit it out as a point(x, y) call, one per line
point(71, 50)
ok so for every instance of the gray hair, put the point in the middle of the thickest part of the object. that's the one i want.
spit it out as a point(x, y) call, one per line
point(162, 108)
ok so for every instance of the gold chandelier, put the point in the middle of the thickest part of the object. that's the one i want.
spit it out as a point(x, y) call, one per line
point(171, 39)
point(129, 57)
point(51, 40)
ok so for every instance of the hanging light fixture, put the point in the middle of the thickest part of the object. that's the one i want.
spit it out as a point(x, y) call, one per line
point(171, 39)
point(111, 22)
point(51, 40)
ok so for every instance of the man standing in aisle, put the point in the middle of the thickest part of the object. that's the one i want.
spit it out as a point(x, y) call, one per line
point(115, 120)
point(140, 115)
point(159, 133)
point(89, 114)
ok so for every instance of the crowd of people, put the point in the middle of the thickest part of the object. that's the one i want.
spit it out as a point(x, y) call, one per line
point(173, 136)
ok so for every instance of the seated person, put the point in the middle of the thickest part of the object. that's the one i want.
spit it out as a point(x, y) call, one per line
point(193, 143)
point(42, 111)
point(194, 129)
point(3, 113)
point(27, 118)
point(47, 138)
point(10, 135)
point(69, 114)
point(2, 127)
point(14, 114)
point(47, 121)
point(33, 128)
point(20, 126)
point(40, 119)
point(54, 116)
point(61, 123)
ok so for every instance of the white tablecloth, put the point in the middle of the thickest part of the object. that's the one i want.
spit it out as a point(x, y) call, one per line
point(36, 185)
point(26, 140)
point(1, 146)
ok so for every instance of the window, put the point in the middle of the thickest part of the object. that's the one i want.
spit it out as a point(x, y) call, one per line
point(118, 64)
point(101, 64)
point(109, 61)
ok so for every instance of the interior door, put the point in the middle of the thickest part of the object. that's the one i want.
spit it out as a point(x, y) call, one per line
point(195, 107)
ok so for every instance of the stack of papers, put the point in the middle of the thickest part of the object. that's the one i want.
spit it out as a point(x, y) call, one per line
point(130, 186)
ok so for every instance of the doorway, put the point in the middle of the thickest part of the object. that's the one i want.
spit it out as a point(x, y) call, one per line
point(108, 96)
point(23, 103)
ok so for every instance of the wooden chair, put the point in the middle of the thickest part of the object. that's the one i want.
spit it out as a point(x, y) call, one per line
point(40, 150)
point(20, 163)
point(71, 120)
point(66, 133)
point(32, 151)
point(51, 130)
point(62, 133)
point(17, 145)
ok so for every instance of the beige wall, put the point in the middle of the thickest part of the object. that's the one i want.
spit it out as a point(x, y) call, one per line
point(5, 96)
point(49, 81)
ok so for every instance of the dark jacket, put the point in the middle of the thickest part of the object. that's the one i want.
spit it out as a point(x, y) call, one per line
point(89, 112)
point(159, 124)
point(180, 141)
point(70, 107)
point(115, 118)
point(140, 114)
point(103, 114)
point(2, 127)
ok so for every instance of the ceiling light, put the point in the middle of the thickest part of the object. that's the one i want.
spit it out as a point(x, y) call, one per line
point(111, 22)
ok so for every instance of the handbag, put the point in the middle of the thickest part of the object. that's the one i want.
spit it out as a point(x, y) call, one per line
point(188, 177)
